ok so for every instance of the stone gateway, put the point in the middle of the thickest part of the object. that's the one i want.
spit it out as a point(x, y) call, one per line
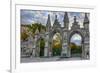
point(66, 33)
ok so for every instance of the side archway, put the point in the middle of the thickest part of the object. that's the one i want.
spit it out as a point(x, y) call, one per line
point(40, 46)
point(76, 43)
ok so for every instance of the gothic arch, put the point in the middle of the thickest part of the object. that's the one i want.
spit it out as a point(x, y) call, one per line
point(53, 32)
point(38, 50)
point(78, 32)
point(72, 32)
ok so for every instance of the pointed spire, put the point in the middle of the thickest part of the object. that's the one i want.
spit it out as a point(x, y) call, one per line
point(66, 20)
point(37, 31)
point(56, 22)
point(75, 24)
point(48, 25)
point(75, 21)
point(86, 20)
point(48, 21)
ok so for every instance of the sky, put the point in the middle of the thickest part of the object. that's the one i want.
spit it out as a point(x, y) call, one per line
point(76, 38)
point(34, 16)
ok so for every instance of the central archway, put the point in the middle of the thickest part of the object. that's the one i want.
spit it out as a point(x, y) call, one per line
point(56, 44)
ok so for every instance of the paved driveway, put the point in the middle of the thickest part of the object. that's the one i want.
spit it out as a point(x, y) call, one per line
point(28, 60)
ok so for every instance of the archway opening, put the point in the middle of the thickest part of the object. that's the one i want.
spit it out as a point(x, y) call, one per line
point(42, 46)
point(56, 44)
point(76, 45)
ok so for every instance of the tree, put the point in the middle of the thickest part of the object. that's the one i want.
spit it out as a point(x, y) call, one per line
point(75, 48)
point(24, 35)
point(31, 28)
point(56, 44)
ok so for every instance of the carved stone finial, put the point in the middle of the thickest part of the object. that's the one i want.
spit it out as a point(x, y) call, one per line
point(75, 19)
point(86, 20)
point(55, 16)
point(56, 22)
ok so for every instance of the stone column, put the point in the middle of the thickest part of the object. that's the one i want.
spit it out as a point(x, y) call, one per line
point(85, 51)
point(46, 44)
point(69, 51)
point(33, 52)
point(64, 52)
point(35, 45)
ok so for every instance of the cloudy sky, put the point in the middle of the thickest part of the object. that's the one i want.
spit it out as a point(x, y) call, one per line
point(77, 39)
point(33, 16)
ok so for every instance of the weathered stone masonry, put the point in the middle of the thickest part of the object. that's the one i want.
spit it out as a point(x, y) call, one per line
point(66, 35)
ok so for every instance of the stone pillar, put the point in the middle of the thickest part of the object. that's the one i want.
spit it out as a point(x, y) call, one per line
point(87, 36)
point(50, 46)
point(64, 52)
point(86, 49)
point(33, 52)
point(46, 44)
point(35, 45)
point(69, 51)
point(83, 52)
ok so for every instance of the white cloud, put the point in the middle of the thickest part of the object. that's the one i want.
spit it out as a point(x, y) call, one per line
point(76, 37)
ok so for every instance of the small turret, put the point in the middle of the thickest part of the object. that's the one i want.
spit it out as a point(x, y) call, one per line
point(66, 20)
point(75, 21)
point(48, 25)
point(86, 22)
point(75, 24)
point(56, 22)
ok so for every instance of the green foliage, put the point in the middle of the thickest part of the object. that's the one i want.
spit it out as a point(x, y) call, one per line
point(56, 48)
point(38, 26)
point(56, 51)
point(24, 35)
point(32, 28)
point(75, 48)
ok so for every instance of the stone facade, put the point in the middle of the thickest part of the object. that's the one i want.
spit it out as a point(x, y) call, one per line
point(66, 35)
